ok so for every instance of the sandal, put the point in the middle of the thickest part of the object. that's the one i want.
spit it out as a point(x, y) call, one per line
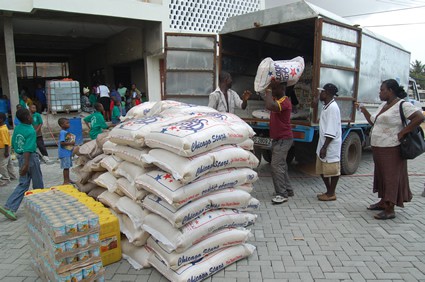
point(384, 216)
point(375, 207)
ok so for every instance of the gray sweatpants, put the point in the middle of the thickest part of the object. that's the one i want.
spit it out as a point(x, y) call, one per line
point(280, 176)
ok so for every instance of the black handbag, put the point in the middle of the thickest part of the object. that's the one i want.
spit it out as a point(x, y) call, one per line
point(413, 143)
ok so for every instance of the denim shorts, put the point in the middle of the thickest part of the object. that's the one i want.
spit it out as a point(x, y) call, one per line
point(66, 162)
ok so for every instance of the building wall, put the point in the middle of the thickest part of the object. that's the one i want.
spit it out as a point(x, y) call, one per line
point(134, 9)
point(206, 16)
point(140, 48)
point(125, 47)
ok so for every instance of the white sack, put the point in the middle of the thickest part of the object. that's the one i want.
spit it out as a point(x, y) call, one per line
point(130, 190)
point(137, 257)
point(108, 147)
point(106, 180)
point(288, 71)
point(134, 211)
point(94, 164)
point(199, 134)
point(129, 154)
point(178, 194)
point(133, 132)
point(262, 114)
point(192, 233)
point(87, 148)
point(188, 109)
point(248, 187)
point(130, 171)
point(218, 240)
point(109, 199)
point(248, 144)
point(86, 188)
point(139, 111)
point(223, 199)
point(206, 267)
point(188, 169)
point(111, 164)
point(135, 235)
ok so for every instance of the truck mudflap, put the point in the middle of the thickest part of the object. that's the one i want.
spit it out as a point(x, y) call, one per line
point(301, 134)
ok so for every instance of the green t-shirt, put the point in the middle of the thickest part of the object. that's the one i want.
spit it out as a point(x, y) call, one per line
point(23, 104)
point(122, 91)
point(37, 120)
point(93, 99)
point(24, 139)
point(116, 112)
point(97, 123)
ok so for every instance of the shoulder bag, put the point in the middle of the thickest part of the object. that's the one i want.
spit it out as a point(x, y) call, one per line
point(413, 143)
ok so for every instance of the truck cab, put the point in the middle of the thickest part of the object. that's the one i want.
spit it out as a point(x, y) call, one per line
point(416, 96)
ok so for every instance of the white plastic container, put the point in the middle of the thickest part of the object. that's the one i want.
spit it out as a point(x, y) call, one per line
point(63, 95)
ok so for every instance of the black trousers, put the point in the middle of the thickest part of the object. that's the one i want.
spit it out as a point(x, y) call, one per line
point(40, 146)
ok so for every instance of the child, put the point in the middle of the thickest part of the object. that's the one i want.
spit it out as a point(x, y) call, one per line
point(116, 112)
point(96, 122)
point(24, 144)
point(37, 122)
point(16, 120)
point(6, 167)
point(66, 145)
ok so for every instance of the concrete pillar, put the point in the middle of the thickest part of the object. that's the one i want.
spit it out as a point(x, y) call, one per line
point(9, 47)
point(153, 78)
point(3, 69)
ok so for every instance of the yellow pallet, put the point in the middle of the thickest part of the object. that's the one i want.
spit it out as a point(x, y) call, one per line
point(109, 235)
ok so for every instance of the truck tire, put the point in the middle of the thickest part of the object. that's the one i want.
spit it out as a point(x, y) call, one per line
point(351, 154)
point(267, 155)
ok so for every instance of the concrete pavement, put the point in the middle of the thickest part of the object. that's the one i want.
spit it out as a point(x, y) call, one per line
point(302, 240)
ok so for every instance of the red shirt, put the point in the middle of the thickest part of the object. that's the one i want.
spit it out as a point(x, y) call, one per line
point(280, 122)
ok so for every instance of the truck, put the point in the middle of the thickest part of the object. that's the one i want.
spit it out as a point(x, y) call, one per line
point(415, 95)
point(334, 50)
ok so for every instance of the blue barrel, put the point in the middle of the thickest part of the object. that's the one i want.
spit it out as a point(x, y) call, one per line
point(76, 128)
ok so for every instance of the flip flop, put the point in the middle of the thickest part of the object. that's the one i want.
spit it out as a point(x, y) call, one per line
point(375, 207)
point(384, 216)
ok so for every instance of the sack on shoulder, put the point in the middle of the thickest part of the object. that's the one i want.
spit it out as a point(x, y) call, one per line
point(413, 144)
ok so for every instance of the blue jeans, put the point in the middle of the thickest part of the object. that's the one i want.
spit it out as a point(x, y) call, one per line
point(279, 168)
point(34, 174)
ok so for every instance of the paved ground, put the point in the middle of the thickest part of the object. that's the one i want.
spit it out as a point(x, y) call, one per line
point(302, 240)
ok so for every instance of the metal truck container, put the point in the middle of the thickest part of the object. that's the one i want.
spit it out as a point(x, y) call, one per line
point(334, 50)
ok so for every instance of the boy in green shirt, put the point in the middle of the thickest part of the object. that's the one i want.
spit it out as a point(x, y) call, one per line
point(24, 144)
point(116, 112)
point(96, 122)
point(37, 122)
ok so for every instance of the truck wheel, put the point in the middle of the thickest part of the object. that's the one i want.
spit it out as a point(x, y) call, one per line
point(351, 154)
point(267, 155)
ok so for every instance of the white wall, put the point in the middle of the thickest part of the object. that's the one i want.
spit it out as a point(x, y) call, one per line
point(131, 9)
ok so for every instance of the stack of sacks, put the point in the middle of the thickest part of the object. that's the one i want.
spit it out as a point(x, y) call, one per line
point(200, 198)
point(179, 179)
point(88, 165)
point(123, 165)
point(123, 162)
point(125, 150)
